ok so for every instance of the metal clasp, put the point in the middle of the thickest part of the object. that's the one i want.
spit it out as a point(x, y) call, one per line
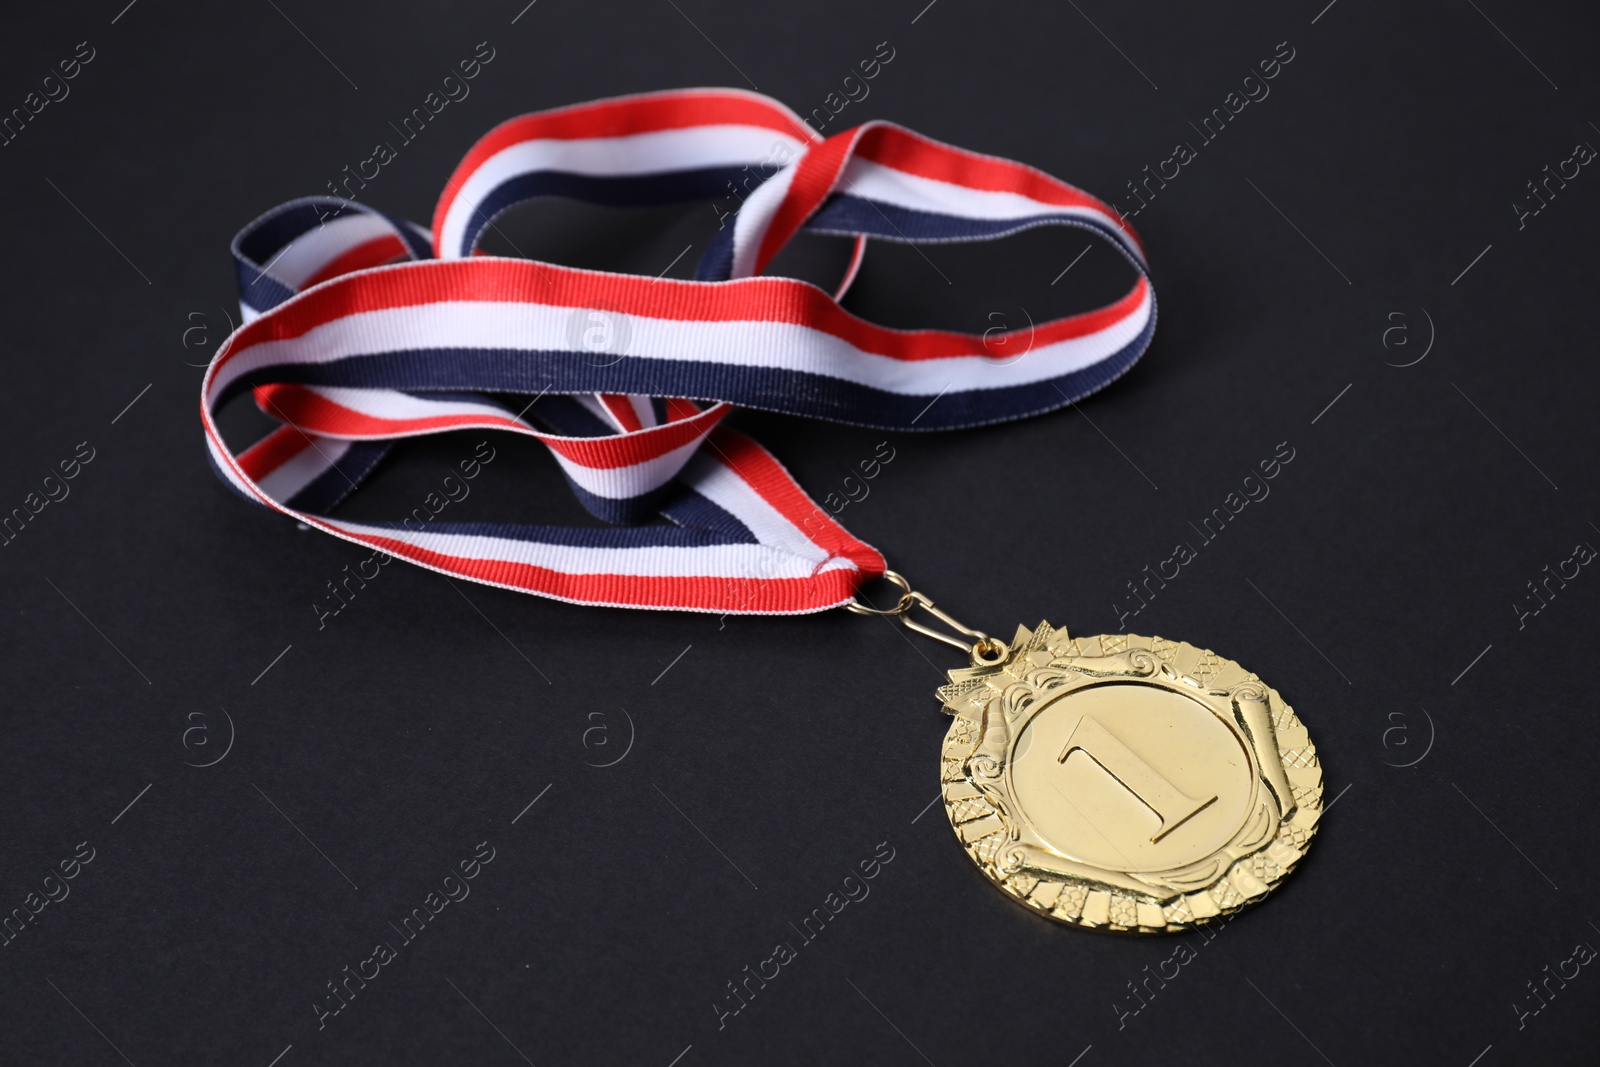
point(985, 651)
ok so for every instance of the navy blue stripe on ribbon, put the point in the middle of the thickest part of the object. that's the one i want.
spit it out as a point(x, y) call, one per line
point(257, 245)
point(693, 511)
point(716, 264)
point(327, 489)
point(842, 215)
point(658, 536)
point(258, 290)
point(227, 481)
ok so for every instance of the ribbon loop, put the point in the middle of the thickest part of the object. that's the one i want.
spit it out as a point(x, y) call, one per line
point(362, 329)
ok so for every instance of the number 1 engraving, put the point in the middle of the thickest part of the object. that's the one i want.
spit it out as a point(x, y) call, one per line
point(1171, 805)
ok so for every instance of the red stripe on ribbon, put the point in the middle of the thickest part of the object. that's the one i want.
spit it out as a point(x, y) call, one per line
point(620, 117)
point(373, 253)
point(816, 173)
point(733, 594)
point(777, 487)
point(621, 410)
point(272, 452)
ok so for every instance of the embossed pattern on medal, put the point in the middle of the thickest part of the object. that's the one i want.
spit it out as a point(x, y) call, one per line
point(1187, 788)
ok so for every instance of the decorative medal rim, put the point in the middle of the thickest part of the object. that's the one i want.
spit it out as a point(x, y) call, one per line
point(1047, 664)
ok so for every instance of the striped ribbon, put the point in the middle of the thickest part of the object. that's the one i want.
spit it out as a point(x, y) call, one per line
point(362, 328)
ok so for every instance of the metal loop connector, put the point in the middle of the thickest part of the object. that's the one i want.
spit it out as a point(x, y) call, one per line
point(907, 598)
point(984, 650)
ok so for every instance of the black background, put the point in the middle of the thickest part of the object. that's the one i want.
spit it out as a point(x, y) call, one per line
point(1375, 586)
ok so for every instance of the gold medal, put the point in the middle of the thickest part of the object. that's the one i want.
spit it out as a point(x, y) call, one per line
point(1123, 783)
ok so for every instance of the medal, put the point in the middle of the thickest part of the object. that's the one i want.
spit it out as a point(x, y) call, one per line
point(1124, 783)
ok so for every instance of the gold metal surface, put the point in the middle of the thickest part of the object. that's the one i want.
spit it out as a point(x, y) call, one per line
point(1125, 783)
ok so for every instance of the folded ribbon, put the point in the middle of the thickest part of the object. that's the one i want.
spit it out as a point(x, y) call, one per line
point(626, 379)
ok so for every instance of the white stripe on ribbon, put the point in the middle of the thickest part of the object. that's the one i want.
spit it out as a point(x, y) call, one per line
point(884, 185)
point(309, 464)
point(750, 225)
point(321, 245)
point(710, 475)
point(533, 328)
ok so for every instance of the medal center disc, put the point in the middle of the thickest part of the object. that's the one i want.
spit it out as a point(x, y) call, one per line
point(1131, 777)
